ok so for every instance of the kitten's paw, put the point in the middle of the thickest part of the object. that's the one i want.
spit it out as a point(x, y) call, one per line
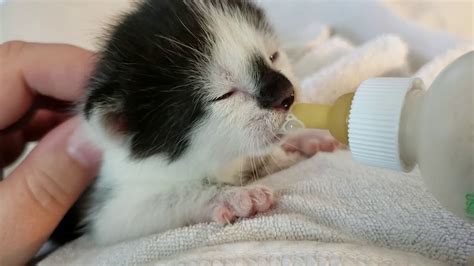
point(241, 202)
point(310, 142)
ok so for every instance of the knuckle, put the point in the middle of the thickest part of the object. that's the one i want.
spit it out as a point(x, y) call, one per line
point(11, 48)
point(9, 54)
point(44, 190)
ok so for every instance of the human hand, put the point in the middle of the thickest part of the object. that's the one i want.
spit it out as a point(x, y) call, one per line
point(36, 79)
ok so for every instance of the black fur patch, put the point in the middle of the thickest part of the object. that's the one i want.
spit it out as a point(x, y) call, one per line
point(144, 77)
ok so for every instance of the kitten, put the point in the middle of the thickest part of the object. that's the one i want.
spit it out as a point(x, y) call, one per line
point(187, 97)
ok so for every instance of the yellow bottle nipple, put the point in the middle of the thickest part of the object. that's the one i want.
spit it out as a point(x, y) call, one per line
point(334, 117)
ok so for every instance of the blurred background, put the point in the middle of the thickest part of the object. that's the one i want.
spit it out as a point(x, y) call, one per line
point(81, 21)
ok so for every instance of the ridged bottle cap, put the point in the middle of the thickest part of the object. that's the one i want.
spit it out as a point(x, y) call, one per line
point(374, 121)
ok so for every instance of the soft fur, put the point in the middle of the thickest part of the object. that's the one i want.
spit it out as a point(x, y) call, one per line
point(187, 98)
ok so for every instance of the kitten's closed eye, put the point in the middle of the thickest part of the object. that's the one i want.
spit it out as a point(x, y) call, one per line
point(225, 96)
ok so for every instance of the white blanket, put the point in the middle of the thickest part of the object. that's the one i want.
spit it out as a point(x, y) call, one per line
point(330, 210)
point(327, 199)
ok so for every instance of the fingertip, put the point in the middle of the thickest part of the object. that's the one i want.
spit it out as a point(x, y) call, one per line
point(82, 150)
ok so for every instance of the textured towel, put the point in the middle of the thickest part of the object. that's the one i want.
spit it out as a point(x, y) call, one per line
point(328, 199)
point(330, 210)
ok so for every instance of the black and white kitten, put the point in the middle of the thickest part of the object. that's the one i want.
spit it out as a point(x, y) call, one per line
point(187, 98)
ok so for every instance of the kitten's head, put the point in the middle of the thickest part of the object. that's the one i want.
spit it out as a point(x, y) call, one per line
point(180, 73)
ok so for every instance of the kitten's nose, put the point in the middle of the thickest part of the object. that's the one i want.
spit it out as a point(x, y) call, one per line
point(276, 92)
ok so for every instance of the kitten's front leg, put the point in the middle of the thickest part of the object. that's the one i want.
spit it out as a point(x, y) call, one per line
point(308, 142)
point(140, 211)
point(240, 202)
point(296, 148)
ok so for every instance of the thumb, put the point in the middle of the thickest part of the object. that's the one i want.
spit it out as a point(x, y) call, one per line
point(35, 197)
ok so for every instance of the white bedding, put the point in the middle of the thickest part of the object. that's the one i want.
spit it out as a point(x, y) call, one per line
point(329, 209)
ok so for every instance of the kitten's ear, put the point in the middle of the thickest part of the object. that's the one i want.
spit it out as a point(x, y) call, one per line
point(108, 115)
point(104, 104)
point(115, 123)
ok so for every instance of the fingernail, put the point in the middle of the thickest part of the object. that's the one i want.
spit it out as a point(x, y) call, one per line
point(81, 150)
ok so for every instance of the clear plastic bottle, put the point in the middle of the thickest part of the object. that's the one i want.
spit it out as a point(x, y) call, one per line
point(395, 123)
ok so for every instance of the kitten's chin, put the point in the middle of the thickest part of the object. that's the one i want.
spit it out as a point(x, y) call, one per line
point(265, 145)
point(266, 135)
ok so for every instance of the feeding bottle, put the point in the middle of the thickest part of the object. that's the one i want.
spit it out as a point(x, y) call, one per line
point(395, 123)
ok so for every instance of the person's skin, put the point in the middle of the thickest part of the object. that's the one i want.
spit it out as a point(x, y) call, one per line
point(34, 80)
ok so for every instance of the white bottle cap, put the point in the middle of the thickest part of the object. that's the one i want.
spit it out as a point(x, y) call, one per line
point(374, 121)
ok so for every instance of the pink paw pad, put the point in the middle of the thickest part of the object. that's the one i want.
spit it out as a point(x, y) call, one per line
point(242, 202)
